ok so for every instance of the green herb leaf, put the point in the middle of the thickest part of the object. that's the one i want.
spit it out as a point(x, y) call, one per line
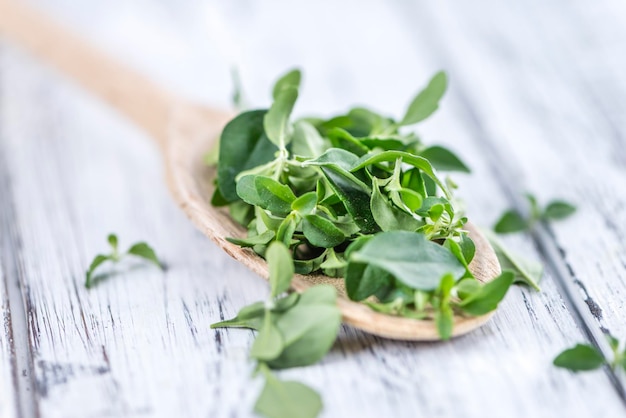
point(321, 232)
point(243, 145)
point(274, 196)
point(276, 121)
point(269, 341)
point(99, 259)
point(410, 257)
point(444, 317)
point(289, 399)
point(364, 280)
point(261, 239)
point(112, 239)
point(306, 141)
point(280, 266)
point(579, 358)
point(305, 204)
point(427, 101)
point(488, 296)
point(558, 209)
point(387, 216)
point(291, 78)
point(525, 271)
point(443, 159)
point(510, 221)
point(143, 250)
point(248, 317)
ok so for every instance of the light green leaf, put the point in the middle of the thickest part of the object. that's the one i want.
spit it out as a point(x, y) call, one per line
point(509, 222)
point(248, 317)
point(276, 121)
point(291, 78)
point(261, 239)
point(99, 259)
point(268, 194)
point(112, 238)
point(143, 250)
point(410, 257)
point(427, 101)
point(307, 142)
point(280, 266)
point(289, 399)
point(269, 341)
point(525, 271)
point(305, 203)
point(488, 296)
point(387, 216)
point(580, 358)
point(443, 159)
point(558, 209)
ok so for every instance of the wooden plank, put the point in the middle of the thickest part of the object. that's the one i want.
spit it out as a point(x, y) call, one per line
point(545, 84)
point(139, 344)
point(8, 393)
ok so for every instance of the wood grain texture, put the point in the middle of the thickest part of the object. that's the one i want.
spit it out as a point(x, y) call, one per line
point(139, 343)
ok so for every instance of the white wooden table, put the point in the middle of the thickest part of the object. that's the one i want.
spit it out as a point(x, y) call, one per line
point(536, 103)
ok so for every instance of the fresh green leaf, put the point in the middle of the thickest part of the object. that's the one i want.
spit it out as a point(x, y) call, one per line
point(488, 296)
point(510, 221)
point(387, 216)
point(410, 257)
point(364, 280)
point(261, 239)
point(274, 196)
point(291, 78)
point(276, 121)
point(280, 266)
point(307, 142)
point(579, 358)
point(243, 145)
point(443, 159)
point(427, 101)
point(558, 209)
point(525, 271)
point(289, 399)
point(99, 259)
point(321, 232)
point(305, 204)
point(112, 239)
point(250, 316)
point(269, 341)
point(143, 250)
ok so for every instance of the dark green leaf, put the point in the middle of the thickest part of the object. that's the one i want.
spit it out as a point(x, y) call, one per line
point(143, 250)
point(289, 399)
point(286, 229)
point(427, 101)
point(443, 159)
point(487, 298)
point(455, 248)
point(243, 145)
point(363, 280)
point(579, 358)
point(510, 221)
point(341, 139)
point(280, 265)
point(558, 210)
point(410, 257)
point(467, 248)
point(321, 232)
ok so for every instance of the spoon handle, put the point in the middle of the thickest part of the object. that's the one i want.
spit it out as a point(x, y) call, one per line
point(143, 102)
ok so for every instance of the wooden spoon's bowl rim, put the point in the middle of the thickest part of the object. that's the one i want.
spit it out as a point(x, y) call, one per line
point(193, 132)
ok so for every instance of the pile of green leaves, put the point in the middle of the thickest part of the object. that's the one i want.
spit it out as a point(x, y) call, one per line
point(357, 197)
point(294, 330)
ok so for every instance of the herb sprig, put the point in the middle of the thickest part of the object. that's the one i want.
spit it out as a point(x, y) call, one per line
point(140, 249)
point(585, 357)
point(512, 221)
point(294, 330)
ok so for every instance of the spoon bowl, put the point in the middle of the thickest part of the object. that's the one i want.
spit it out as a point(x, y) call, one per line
point(184, 133)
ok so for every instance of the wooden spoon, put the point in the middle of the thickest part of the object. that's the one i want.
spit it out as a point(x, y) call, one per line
point(184, 132)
